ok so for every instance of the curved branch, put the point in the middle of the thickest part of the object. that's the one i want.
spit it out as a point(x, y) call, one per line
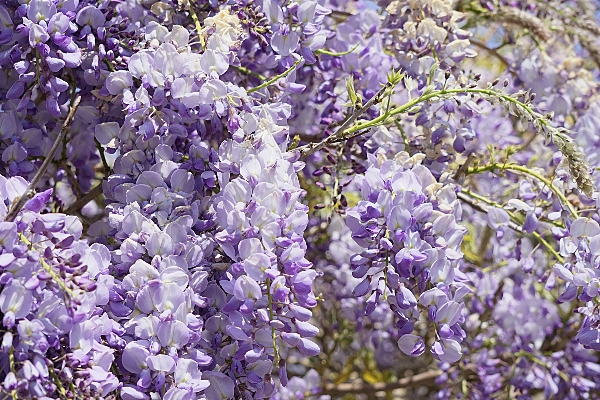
point(30, 191)
point(476, 204)
point(524, 170)
point(338, 135)
point(276, 78)
point(425, 378)
point(493, 52)
point(86, 198)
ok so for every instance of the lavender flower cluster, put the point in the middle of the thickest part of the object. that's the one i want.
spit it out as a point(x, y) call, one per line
point(251, 199)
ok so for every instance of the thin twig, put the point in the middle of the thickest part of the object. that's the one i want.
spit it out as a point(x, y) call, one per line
point(247, 71)
point(575, 157)
point(462, 170)
point(477, 205)
point(197, 24)
point(86, 198)
point(305, 137)
point(404, 137)
point(524, 170)
point(475, 201)
point(102, 157)
point(334, 53)
point(18, 205)
point(339, 16)
point(493, 52)
point(426, 96)
point(276, 78)
point(311, 148)
point(424, 378)
point(74, 182)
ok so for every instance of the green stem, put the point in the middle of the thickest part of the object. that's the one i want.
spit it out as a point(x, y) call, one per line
point(536, 360)
point(340, 133)
point(276, 78)
point(335, 54)
point(11, 360)
point(516, 220)
point(385, 274)
point(194, 17)
point(493, 267)
point(37, 67)
point(59, 385)
point(272, 318)
point(360, 125)
point(18, 204)
point(102, 157)
point(246, 71)
point(514, 167)
point(111, 67)
point(404, 137)
point(48, 268)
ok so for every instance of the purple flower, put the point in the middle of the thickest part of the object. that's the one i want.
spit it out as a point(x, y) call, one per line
point(161, 362)
point(584, 227)
point(447, 350)
point(91, 16)
point(15, 301)
point(221, 386)
point(40, 10)
point(38, 201)
point(308, 348)
point(284, 44)
point(173, 333)
point(187, 376)
point(118, 81)
point(411, 345)
point(246, 288)
point(134, 356)
point(497, 217)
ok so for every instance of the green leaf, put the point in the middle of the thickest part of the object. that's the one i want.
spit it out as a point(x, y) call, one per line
point(350, 88)
point(432, 70)
point(395, 77)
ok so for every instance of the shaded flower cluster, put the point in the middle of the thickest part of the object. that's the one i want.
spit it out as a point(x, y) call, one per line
point(407, 224)
point(54, 285)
